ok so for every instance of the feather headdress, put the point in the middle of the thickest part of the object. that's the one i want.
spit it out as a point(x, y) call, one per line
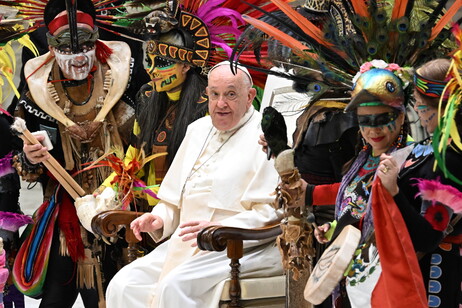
point(448, 130)
point(331, 50)
point(32, 11)
point(12, 29)
point(208, 29)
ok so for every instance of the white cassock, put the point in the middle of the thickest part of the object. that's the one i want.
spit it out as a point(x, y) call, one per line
point(218, 176)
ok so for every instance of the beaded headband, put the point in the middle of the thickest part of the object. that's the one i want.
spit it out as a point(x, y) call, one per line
point(429, 87)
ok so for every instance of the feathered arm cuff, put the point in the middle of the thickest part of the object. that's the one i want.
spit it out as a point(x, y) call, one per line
point(440, 201)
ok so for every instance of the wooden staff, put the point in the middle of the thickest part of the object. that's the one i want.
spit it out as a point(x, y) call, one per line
point(61, 175)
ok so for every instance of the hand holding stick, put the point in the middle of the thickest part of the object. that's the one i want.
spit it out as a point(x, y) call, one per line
point(311, 220)
point(61, 175)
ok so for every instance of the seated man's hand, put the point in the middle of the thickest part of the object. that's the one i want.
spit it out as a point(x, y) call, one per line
point(36, 153)
point(191, 229)
point(146, 223)
point(263, 143)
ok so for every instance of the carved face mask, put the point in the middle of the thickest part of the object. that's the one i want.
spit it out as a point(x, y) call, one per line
point(165, 74)
point(76, 66)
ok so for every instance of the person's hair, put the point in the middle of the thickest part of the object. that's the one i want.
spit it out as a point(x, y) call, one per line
point(436, 70)
point(151, 113)
point(246, 80)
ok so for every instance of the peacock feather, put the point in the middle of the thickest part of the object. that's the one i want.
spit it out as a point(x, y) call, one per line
point(332, 49)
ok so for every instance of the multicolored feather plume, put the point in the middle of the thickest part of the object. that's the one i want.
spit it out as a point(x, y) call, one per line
point(447, 131)
point(126, 181)
point(12, 28)
point(343, 36)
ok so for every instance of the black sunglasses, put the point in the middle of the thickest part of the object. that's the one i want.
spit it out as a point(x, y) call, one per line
point(377, 120)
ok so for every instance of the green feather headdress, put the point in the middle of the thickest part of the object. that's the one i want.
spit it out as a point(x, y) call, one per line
point(11, 29)
point(447, 132)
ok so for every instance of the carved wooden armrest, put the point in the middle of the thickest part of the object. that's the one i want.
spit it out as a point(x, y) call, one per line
point(218, 238)
point(107, 224)
point(215, 238)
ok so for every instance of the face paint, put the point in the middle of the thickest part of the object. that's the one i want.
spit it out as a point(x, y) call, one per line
point(165, 74)
point(428, 115)
point(76, 66)
point(381, 126)
point(391, 126)
point(377, 120)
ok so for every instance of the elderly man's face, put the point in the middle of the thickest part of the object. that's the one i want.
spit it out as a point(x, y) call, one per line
point(230, 96)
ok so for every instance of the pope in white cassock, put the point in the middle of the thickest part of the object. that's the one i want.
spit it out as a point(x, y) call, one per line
point(220, 176)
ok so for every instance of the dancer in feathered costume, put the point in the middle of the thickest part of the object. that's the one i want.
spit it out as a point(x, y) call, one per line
point(324, 141)
point(75, 94)
point(434, 168)
point(405, 34)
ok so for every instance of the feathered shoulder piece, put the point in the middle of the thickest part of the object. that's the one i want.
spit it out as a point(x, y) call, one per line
point(440, 202)
point(12, 28)
point(328, 46)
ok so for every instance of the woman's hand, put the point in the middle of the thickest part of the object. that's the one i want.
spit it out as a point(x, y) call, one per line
point(36, 153)
point(388, 171)
point(191, 229)
point(146, 223)
point(320, 232)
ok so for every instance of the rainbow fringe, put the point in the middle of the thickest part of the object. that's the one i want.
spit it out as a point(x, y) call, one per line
point(31, 263)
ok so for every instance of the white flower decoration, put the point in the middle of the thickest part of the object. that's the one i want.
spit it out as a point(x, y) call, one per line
point(379, 63)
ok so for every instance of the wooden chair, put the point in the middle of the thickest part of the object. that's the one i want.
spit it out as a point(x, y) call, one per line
point(248, 292)
point(268, 292)
point(108, 223)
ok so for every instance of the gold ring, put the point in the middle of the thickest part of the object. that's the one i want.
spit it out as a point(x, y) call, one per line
point(385, 169)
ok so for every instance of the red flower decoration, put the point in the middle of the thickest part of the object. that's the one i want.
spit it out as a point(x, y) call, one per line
point(438, 216)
